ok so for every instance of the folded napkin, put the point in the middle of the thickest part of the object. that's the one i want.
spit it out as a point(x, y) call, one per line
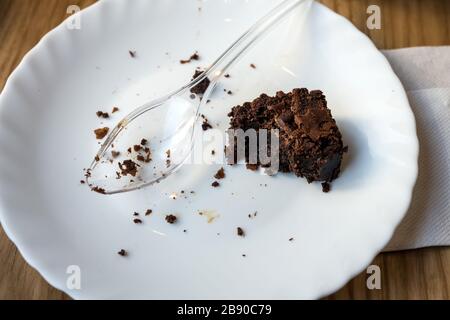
point(425, 74)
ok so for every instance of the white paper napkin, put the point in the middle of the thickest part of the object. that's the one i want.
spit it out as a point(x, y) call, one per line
point(425, 74)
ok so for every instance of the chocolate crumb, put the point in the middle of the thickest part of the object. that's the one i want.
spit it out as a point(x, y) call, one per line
point(345, 149)
point(140, 158)
point(184, 230)
point(171, 219)
point(240, 232)
point(88, 173)
point(99, 190)
point(244, 255)
point(215, 184)
point(252, 167)
point(128, 167)
point(122, 253)
point(220, 174)
point(115, 154)
point(206, 125)
point(202, 86)
point(114, 110)
point(213, 152)
point(137, 221)
point(137, 148)
point(230, 92)
point(100, 133)
point(195, 56)
point(82, 181)
point(148, 212)
point(291, 239)
point(227, 75)
point(144, 142)
point(252, 66)
point(102, 114)
point(132, 53)
point(326, 187)
point(136, 214)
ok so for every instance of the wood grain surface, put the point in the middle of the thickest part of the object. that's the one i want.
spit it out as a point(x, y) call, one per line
point(416, 274)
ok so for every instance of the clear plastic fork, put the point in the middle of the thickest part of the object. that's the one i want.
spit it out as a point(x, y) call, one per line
point(166, 140)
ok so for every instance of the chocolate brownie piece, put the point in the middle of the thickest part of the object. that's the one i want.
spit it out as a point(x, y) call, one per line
point(202, 86)
point(309, 139)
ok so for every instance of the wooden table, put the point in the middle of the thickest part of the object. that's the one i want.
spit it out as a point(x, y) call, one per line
point(416, 274)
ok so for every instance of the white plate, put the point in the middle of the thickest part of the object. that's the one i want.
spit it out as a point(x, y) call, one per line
point(47, 113)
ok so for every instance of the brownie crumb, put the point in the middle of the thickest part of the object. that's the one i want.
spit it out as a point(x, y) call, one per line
point(252, 66)
point(195, 56)
point(82, 181)
point(122, 253)
point(252, 167)
point(136, 214)
point(220, 174)
point(100, 133)
point(202, 86)
point(230, 92)
point(137, 148)
point(137, 221)
point(291, 239)
point(128, 167)
point(101, 114)
point(326, 187)
point(144, 142)
point(213, 152)
point(132, 53)
point(227, 75)
point(206, 125)
point(244, 255)
point(215, 184)
point(148, 212)
point(115, 154)
point(88, 173)
point(99, 190)
point(171, 219)
point(184, 230)
point(114, 110)
point(240, 232)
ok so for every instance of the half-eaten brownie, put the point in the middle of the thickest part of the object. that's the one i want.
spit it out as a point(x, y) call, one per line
point(310, 143)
